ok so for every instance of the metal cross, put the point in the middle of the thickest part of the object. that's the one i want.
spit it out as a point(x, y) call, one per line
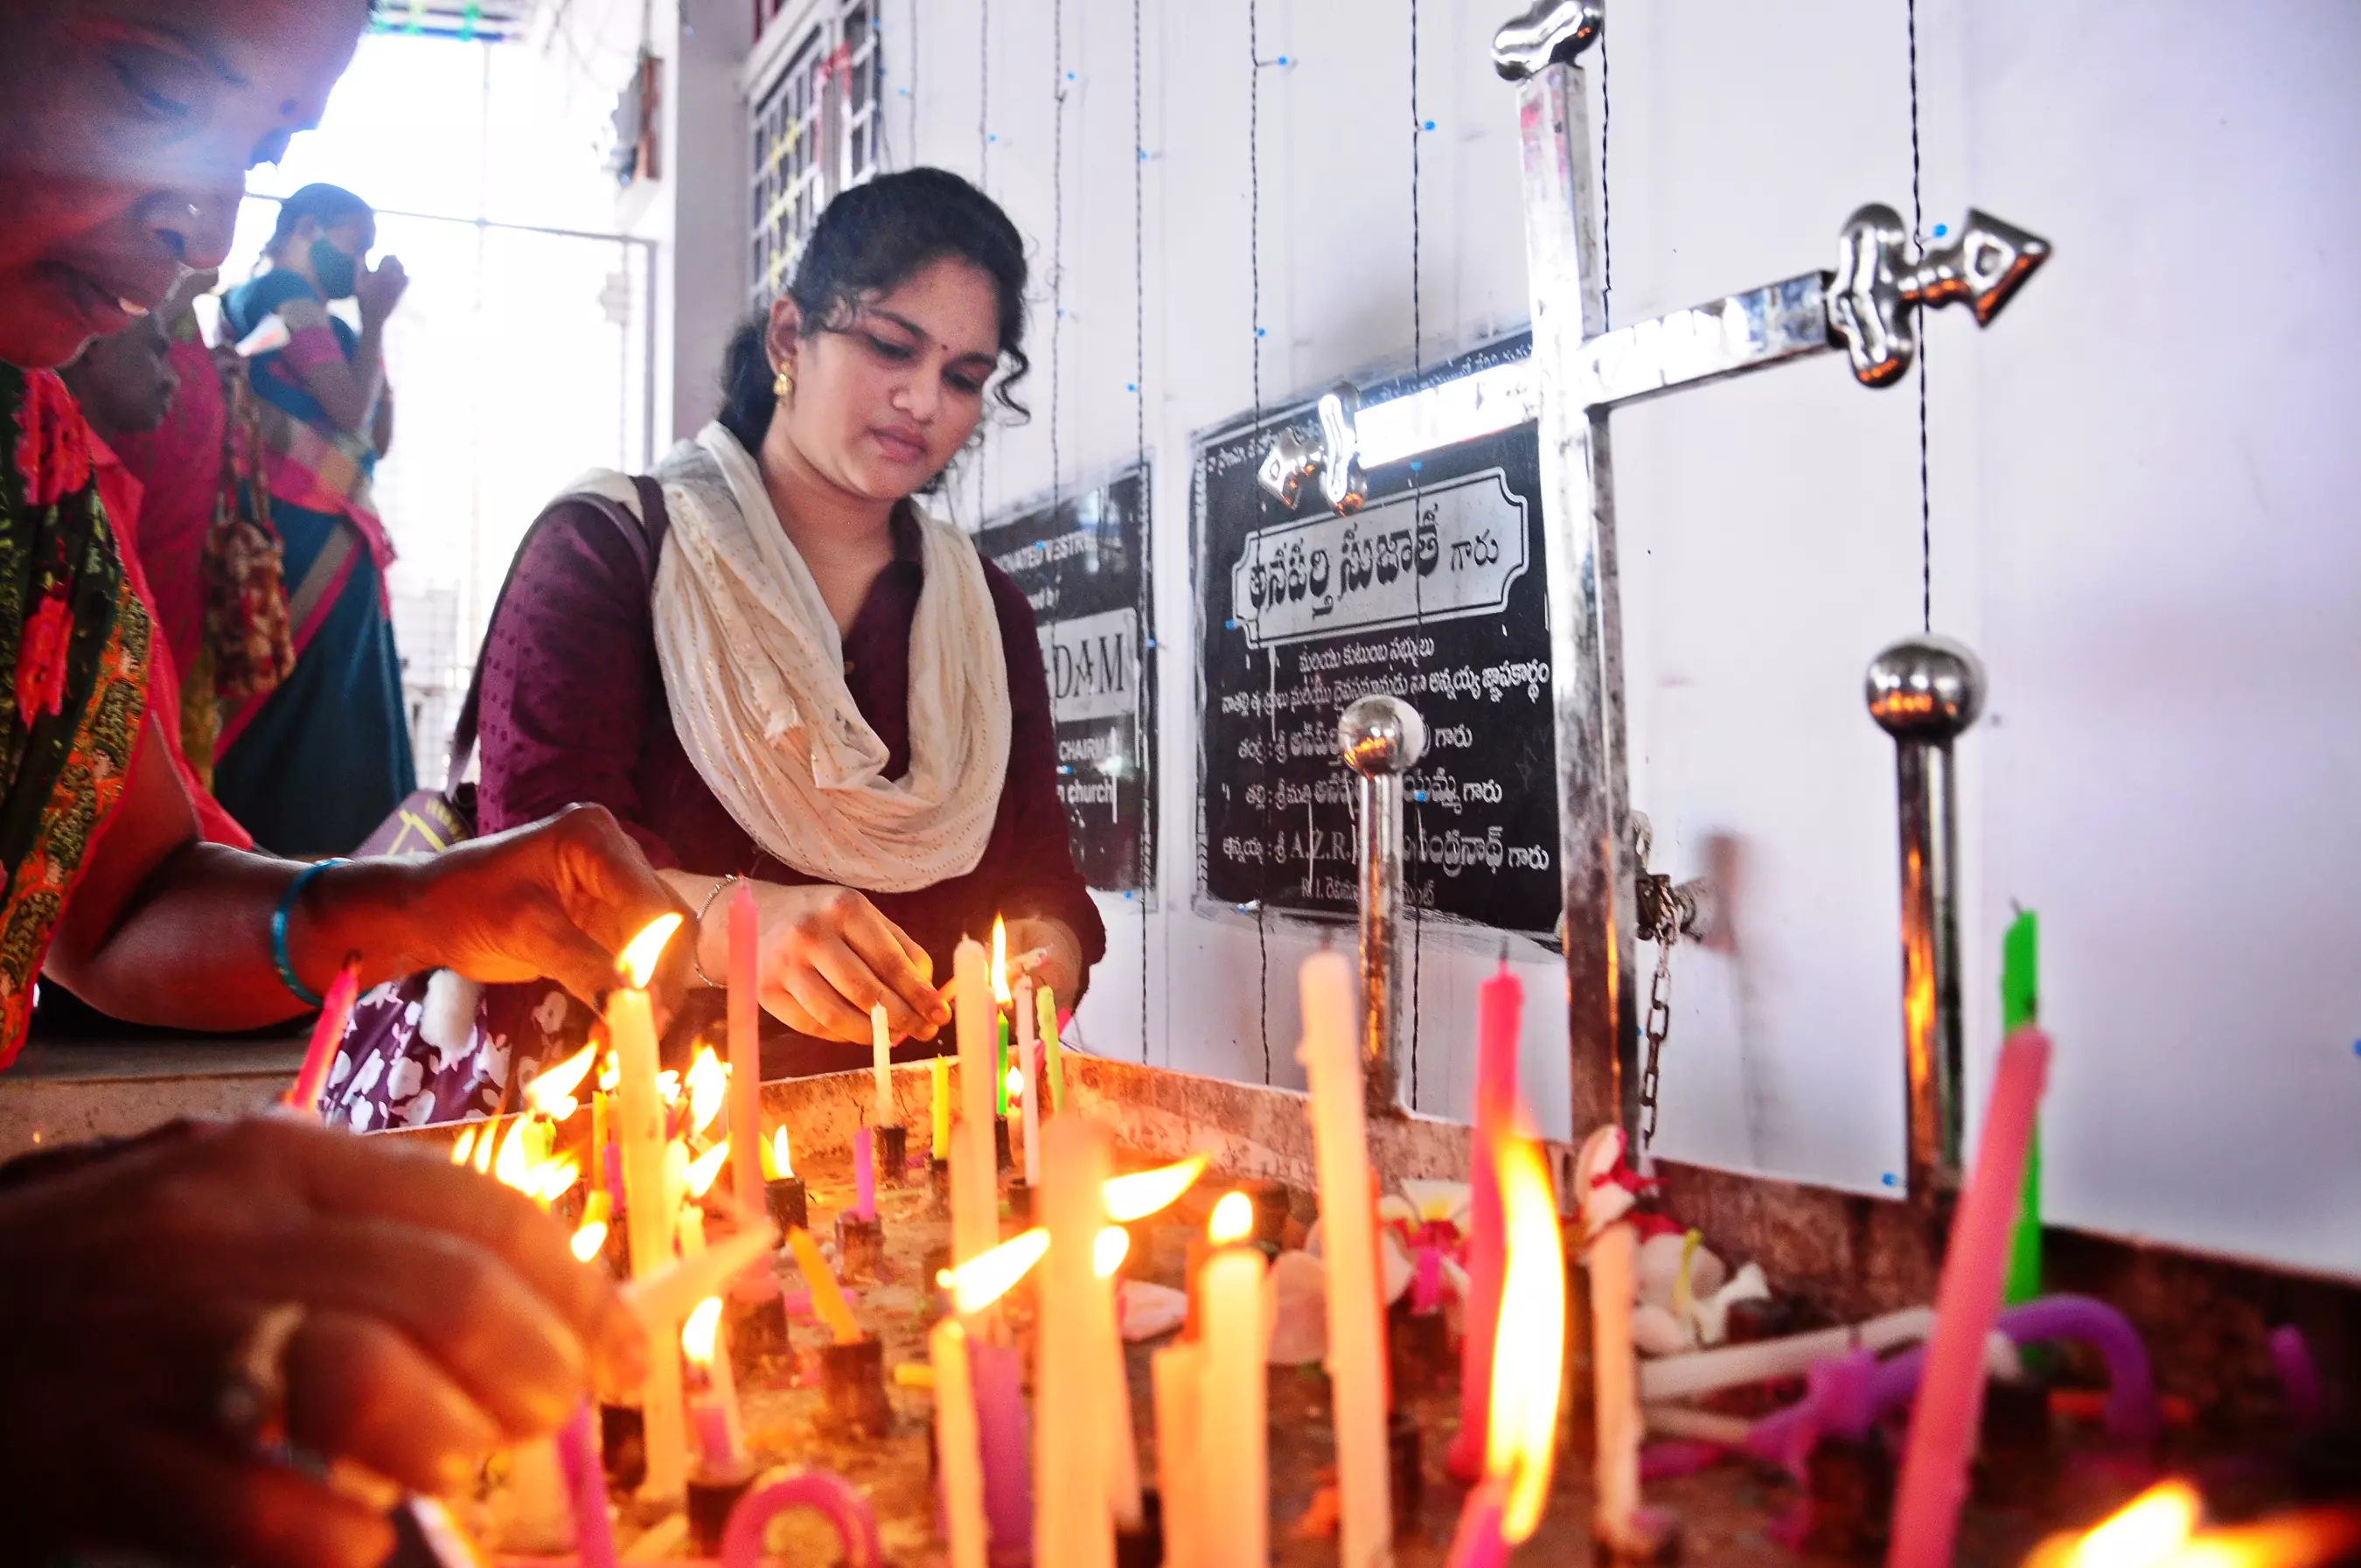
point(1865, 306)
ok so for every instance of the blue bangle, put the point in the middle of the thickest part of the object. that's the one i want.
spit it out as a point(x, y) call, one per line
point(287, 976)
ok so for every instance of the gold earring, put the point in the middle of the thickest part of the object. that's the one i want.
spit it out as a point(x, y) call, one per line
point(782, 385)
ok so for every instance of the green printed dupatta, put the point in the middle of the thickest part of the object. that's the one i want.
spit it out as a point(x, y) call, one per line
point(75, 641)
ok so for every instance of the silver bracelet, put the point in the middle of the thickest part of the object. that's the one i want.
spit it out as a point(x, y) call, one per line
point(696, 953)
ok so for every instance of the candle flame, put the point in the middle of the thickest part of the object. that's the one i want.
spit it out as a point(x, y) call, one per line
point(591, 1239)
point(668, 1087)
point(2147, 1530)
point(512, 1167)
point(610, 1072)
point(988, 1276)
point(464, 1146)
point(551, 1092)
point(1108, 1250)
point(2158, 1529)
point(1016, 1082)
point(708, 1087)
point(1000, 992)
point(484, 1142)
point(705, 1167)
point(783, 1164)
point(638, 961)
point(697, 1335)
point(1522, 1437)
point(1140, 1194)
point(556, 1180)
point(1233, 1221)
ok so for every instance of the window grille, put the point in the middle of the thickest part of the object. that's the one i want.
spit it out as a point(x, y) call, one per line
point(815, 128)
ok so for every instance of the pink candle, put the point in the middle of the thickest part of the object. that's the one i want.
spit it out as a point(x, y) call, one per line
point(745, 1053)
point(1498, 1008)
point(824, 1492)
point(586, 1484)
point(1943, 1423)
point(1478, 1542)
point(712, 1424)
point(1006, 1444)
point(302, 1096)
point(864, 1177)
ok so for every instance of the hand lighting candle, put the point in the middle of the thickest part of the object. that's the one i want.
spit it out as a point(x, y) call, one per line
point(975, 1221)
point(745, 1051)
point(1357, 1346)
point(630, 1023)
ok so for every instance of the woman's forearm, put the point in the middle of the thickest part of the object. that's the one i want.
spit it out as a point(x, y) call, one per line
point(713, 927)
point(192, 946)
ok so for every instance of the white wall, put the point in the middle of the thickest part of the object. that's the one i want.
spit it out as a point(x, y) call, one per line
point(2137, 474)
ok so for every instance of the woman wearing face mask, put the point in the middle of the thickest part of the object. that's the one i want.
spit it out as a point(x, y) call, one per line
point(819, 691)
point(312, 766)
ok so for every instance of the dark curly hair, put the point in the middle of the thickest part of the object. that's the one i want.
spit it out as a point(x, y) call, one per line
point(324, 204)
point(868, 242)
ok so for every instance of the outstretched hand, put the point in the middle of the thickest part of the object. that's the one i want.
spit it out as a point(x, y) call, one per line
point(442, 1315)
point(829, 955)
point(560, 899)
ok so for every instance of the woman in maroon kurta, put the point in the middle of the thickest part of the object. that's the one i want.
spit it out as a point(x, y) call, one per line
point(869, 376)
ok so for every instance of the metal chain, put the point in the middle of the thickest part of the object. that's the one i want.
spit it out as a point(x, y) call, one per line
point(1662, 912)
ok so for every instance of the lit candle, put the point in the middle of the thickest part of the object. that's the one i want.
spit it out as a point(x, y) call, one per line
point(880, 1045)
point(746, 1052)
point(864, 1175)
point(975, 1220)
point(1175, 1372)
point(940, 1069)
point(631, 1026)
point(1045, 1001)
point(1073, 1525)
point(302, 1096)
point(828, 1297)
point(720, 1439)
point(1520, 1439)
point(1500, 1004)
point(959, 1453)
point(1232, 1468)
point(1357, 1348)
point(1028, 1064)
point(1943, 1421)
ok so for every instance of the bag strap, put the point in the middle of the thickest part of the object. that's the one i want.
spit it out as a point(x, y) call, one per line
point(645, 533)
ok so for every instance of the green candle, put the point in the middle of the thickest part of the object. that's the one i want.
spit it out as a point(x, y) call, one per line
point(2020, 1004)
point(1000, 1076)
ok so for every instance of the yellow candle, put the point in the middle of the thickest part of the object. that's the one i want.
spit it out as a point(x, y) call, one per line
point(941, 1147)
point(828, 1297)
point(975, 1221)
point(1232, 1468)
point(1175, 1372)
point(1045, 1003)
point(958, 1443)
point(1357, 1344)
point(640, 1108)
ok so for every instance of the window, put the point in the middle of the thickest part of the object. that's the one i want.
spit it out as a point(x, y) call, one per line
point(816, 129)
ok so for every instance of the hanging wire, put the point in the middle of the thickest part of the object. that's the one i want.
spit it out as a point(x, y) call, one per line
point(1057, 248)
point(1254, 276)
point(1146, 504)
point(913, 88)
point(1606, 202)
point(983, 183)
point(1918, 248)
point(1417, 376)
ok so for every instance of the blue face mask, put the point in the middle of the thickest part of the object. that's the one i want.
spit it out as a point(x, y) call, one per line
point(335, 271)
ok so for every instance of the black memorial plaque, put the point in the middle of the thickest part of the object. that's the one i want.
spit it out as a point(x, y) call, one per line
point(1433, 592)
point(1082, 563)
